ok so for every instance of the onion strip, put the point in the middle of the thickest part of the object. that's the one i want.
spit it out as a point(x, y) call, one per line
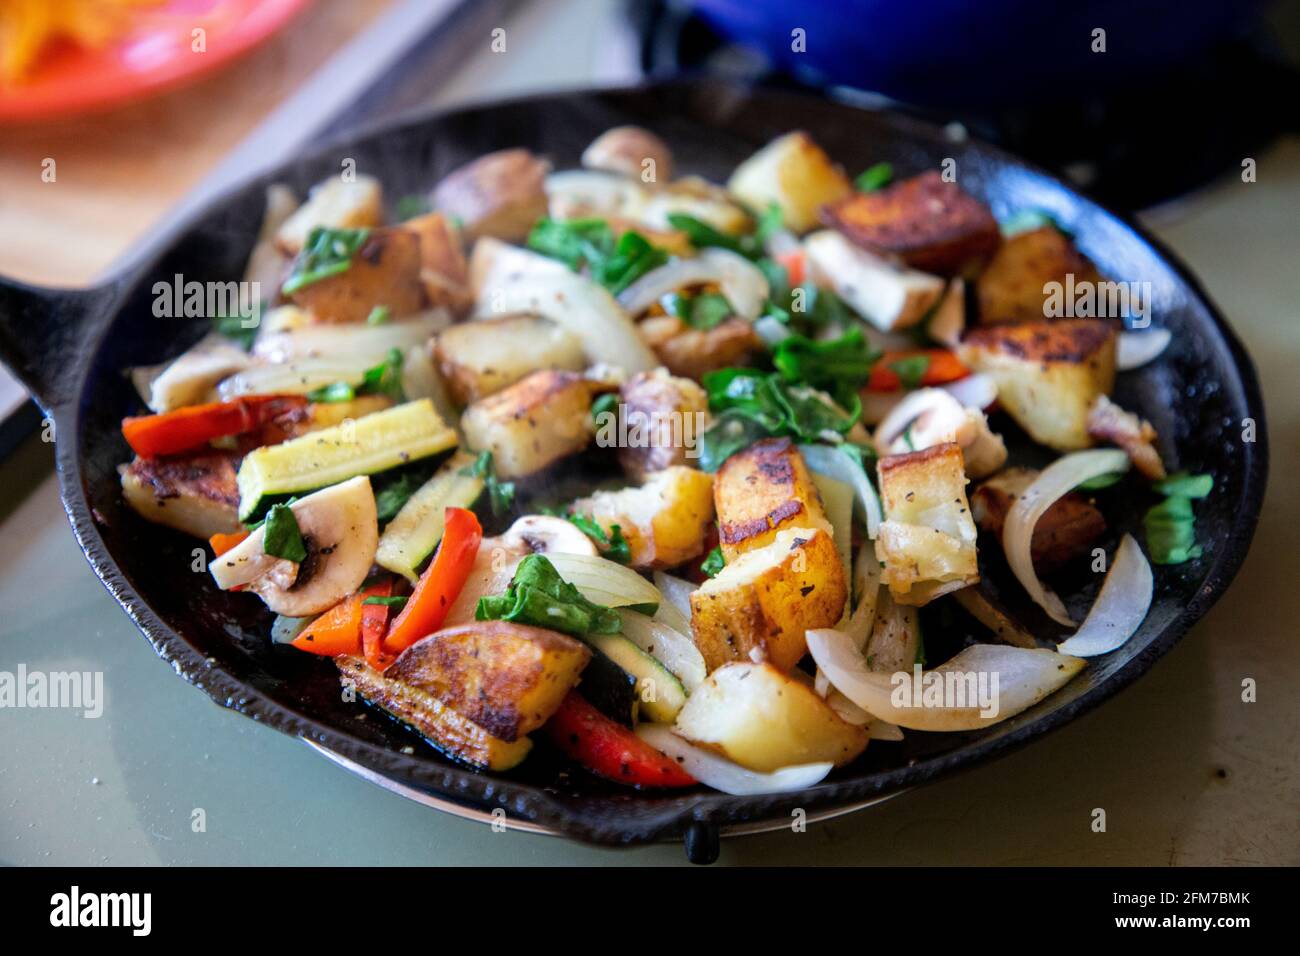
point(1120, 608)
point(1135, 349)
point(669, 647)
point(721, 774)
point(833, 463)
point(742, 283)
point(604, 581)
point(1056, 480)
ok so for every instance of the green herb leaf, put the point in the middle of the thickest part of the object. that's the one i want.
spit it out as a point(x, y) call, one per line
point(384, 378)
point(539, 596)
point(396, 601)
point(327, 252)
point(730, 432)
point(702, 236)
point(633, 257)
point(1171, 531)
point(708, 310)
point(337, 392)
point(395, 492)
point(1185, 485)
point(281, 537)
point(713, 563)
point(911, 370)
point(841, 365)
point(237, 328)
point(875, 177)
point(408, 207)
point(606, 404)
point(379, 315)
point(501, 494)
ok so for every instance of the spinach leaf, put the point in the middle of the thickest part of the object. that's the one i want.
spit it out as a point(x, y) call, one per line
point(539, 596)
point(874, 178)
point(713, 563)
point(1171, 525)
point(841, 365)
point(613, 545)
point(501, 494)
point(1185, 485)
point(327, 252)
point(282, 537)
point(398, 602)
point(911, 370)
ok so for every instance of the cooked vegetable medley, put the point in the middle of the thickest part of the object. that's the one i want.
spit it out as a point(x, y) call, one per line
point(657, 472)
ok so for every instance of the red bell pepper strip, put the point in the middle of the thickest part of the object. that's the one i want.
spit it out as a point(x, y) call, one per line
point(374, 624)
point(793, 262)
point(609, 749)
point(194, 426)
point(440, 583)
point(941, 367)
point(221, 543)
point(337, 631)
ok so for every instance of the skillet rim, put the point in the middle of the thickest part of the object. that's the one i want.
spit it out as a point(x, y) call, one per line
point(431, 771)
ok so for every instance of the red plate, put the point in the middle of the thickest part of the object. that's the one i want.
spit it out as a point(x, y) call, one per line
point(155, 54)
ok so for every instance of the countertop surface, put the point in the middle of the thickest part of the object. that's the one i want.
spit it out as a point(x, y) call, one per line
point(1187, 772)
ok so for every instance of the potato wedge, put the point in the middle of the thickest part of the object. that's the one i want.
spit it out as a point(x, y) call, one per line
point(764, 719)
point(335, 204)
point(1010, 289)
point(500, 195)
point(764, 601)
point(533, 423)
point(1048, 373)
point(443, 269)
point(384, 271)
point(452, 733)
point(690, 352)
point(197, 493)
point(671, 412)
point(1065, 531)
point(926, 543)
point(796, 174)
point(932, 225)
point(665, 520)
point(508, 678)
point(479, 358)
point(631, 151)
point(887, 296)
point(761, 490)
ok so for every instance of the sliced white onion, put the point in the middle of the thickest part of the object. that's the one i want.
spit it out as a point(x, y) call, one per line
point(974, 391)
point(1056, 480)
point(372, 341)
point(884, 730)
point(833, 463)
point(669, 647)
point(1120, 608)
point(1024, 677)
point(676, 608)
point(190, 378)
point(605, 582)
point(582, 193)
point(742, 283)
point(576, 303)
point(837, 501)
point(1135, 349)
point(895, 639)
point(295, 378)
point(721, 774)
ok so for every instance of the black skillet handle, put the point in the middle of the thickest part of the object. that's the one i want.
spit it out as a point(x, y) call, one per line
point(42, 332)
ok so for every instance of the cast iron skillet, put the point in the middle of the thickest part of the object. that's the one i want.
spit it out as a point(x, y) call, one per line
point(71, 349)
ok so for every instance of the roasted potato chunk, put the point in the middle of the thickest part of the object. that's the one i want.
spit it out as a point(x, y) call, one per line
point(334, 204)
point(691, 352)
point(1010, 289)
point(500, 195)
point(763, 602)
point(1065, 531)
point(926, 543)
point(796, 174)
point(1048, 373)
point(1108, 422)
point(932, 225)
point(763, 719)
point(665, 520)
point(484, 356)
point(670, 412)
point(632, 151)
point(533, 423)
point(761, 490)
point(508, 678)
point(384, 271)
point(443, 269)
point(451, 732)
point(887, 296)
point(197, 493)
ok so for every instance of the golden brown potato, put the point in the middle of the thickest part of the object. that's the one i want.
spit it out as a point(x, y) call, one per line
point(443, 269)
point(764, 601)
point(501, 195)
point(333, 204)
point(508, 678)
point(632, 151)
point(1048, 373)
point(533, 423)
point(888, 296)
point(483, 356)
point(761, 490)
point(691, 352)
point(197, 493)
point(665, 520)
point(764, 719)
point(1010, 289)
point(926, 544)
point(796, 174)
point(933, 225)
point(669, 412)
point(385, 271)
point(451, 732)
point(1065, 531)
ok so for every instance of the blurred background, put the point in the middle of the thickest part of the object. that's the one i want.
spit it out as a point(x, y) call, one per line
point(117, 113)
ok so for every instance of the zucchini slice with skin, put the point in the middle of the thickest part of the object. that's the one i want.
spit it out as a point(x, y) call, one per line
point(416, 530)
point(659, 692)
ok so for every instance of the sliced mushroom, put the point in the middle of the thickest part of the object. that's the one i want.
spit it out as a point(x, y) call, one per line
point(545, 534)
point(632, 151)
point(931, 416)
point(340, 528)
